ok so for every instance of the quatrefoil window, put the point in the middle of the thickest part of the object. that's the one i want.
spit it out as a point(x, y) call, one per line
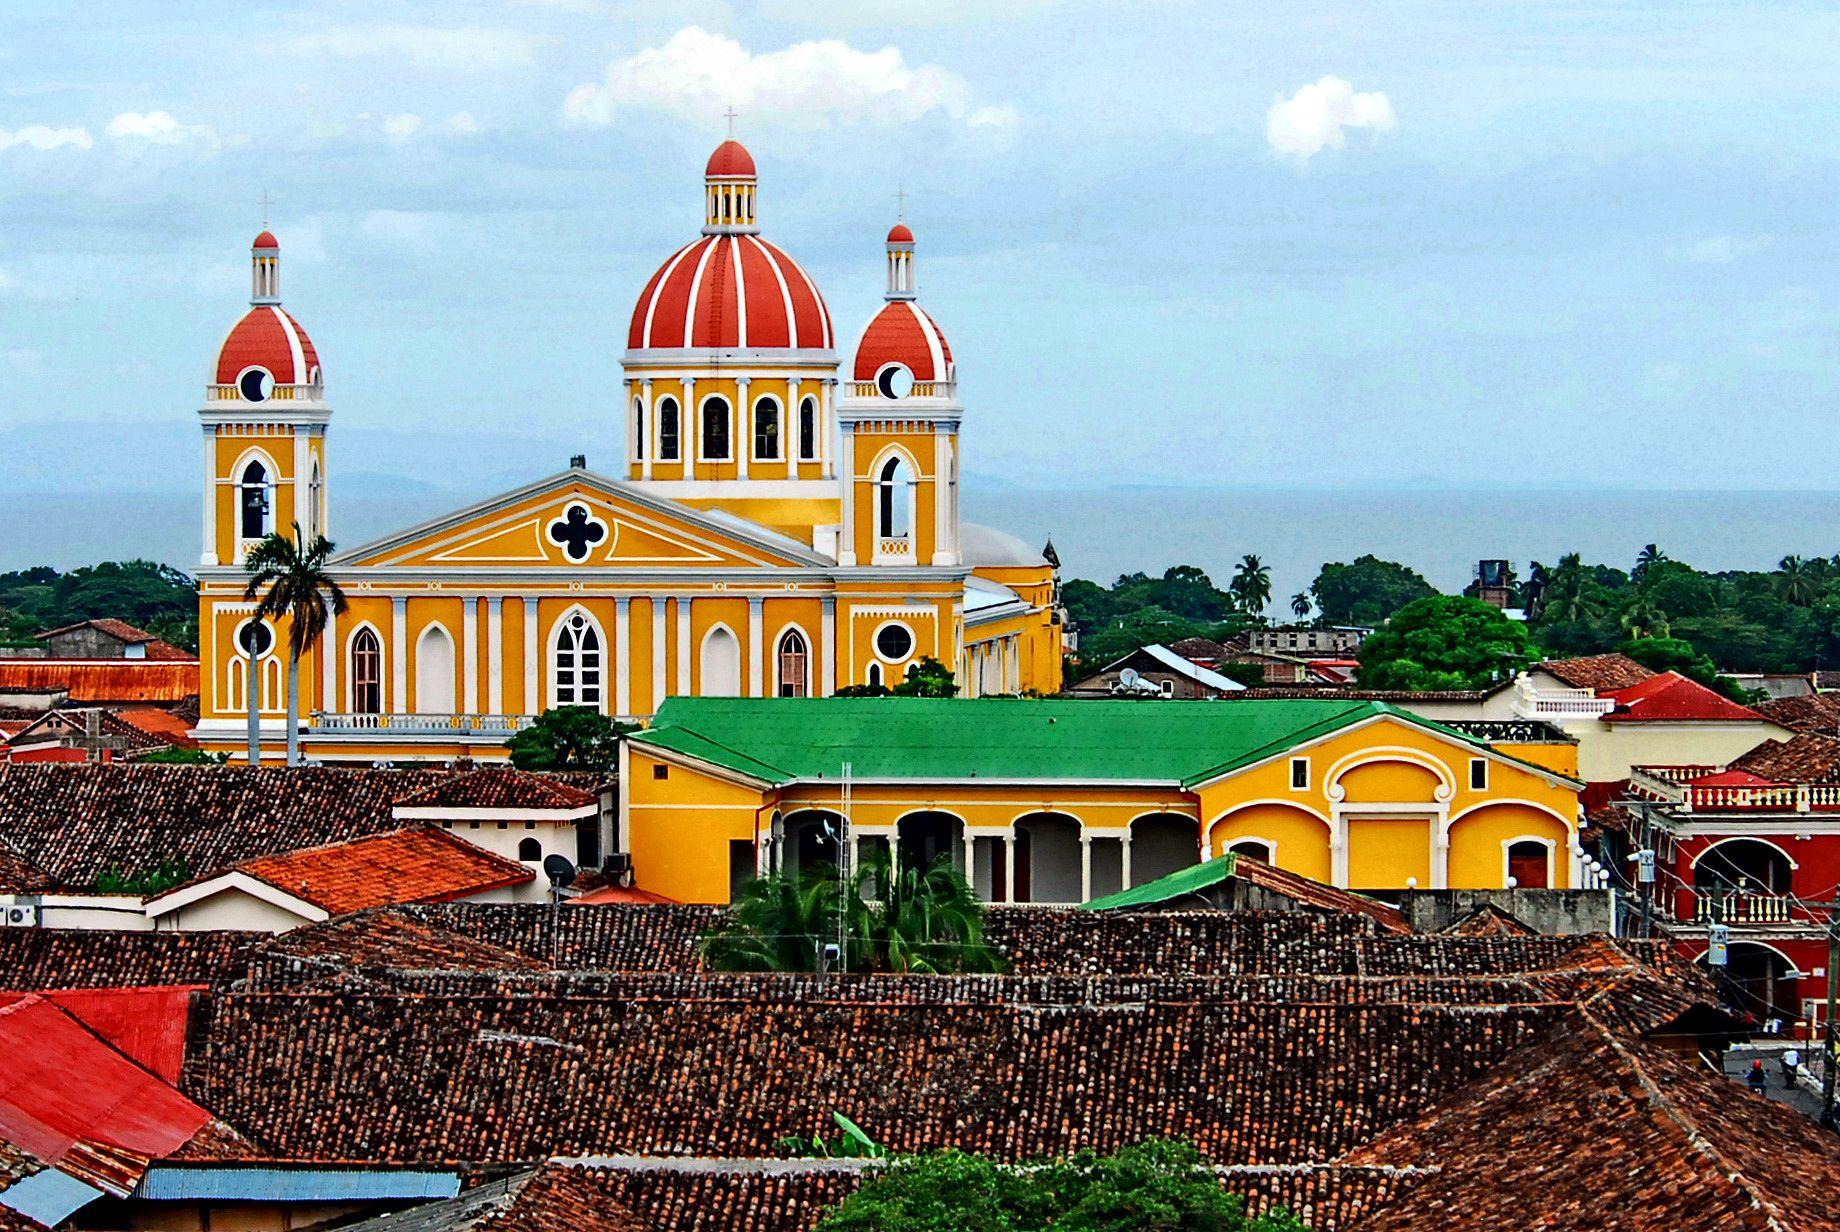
point(576, 531)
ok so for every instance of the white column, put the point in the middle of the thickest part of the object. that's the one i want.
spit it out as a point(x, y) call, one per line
point(1338, 851)
point(208, 553)
point(651, 428)
point(495, 655)
point(683, 645)
point(399, 654)
point(329, 662)
point(689, 430)
point(744, 427)
point(756, 654)
point(302, 483)
point(1085, 868)
point(1009, 866)
point(789, 429)
point(622, 656)
point(942, 494)
point(846, 539)
point(324, 512)
point(826, 406)
point(533, 700)
point(469, 656)
point(970, 870)
point(657, 652)
point(827, 634)
point(1124, 861)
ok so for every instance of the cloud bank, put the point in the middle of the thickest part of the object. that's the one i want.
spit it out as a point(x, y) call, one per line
point(40, 137)
point(1319, 115)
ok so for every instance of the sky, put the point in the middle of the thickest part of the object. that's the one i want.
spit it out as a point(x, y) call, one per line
point(1393, 243)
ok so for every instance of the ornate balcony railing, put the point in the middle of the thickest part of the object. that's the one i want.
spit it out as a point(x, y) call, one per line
point(894, 546)
point(1511, 731)
point(277, 393)
point(422, 724)
point(1742, 908)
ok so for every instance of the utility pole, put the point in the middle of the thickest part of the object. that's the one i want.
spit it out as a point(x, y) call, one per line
point(1833, 993)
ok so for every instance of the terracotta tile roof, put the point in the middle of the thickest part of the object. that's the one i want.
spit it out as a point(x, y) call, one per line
point(1670, 698)
point(1599, 673)
point(33, 959)
point(77, 822)
point(19, 875)
point(1201, 650)
point(121, 630)
point(417, 865)
point(1801, 759)
point(137, 729)
point(164, 725)
point(1812, 712)
point(499, 787)
point(1488, 920)
point(364, 946)
point(93, 681)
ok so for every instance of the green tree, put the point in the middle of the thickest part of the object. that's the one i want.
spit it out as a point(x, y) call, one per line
point(158, 598)
point(1444, 642)
point(1646, 559)
point(146, 882)
point(1152, 1186)
point(1800, 581)
point(927, 677)
point(1673, 654)
point(1367, 591)
point(1300, 605)
point(1251, 584)
point(289, 583)
point(569, 738)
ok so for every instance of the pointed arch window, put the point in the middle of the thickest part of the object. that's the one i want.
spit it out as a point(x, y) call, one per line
point(721, 674)
point(808, 430)
point(894, 505)
point(366, 673)
point(715, 430)
point(766, 430)
point(794, 661)
point(315, 497)
point(577, 669)
point(667, 430)
point(256, 517)
point(638, 430)
point(434, 671)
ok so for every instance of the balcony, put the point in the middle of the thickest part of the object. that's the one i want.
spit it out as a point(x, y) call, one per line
point(472, 725)
point(1744, 908)
point(1673, 785)
point(1531, 703)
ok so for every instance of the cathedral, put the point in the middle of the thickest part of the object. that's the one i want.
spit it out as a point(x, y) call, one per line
point(781, 529)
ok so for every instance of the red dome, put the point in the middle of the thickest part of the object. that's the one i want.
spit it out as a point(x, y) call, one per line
point(901, 333)
point(267, 240)
point(900, 234)
point(730, 159)
point(730, 292)
point(268, 338)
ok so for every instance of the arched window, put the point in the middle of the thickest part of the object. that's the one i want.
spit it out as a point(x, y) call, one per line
point(715, 430)
point(721, 664)
point(577, 667)
point(873, 676)
point(667, 430)
point(766, 430)
point(1252, 848)
point(315, 487)
point(434, 672)
point(638, 429)
point(257, 516)
point(1528, 864)
point(894, 506)
point(529, 849)
point(366, 673)
point(808, 430)
point(794, 661)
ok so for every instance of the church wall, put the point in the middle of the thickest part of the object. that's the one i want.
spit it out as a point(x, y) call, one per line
point(807, 616)
point(512, 636)
point(705, 615)
point(364, 608)
point(422, 613)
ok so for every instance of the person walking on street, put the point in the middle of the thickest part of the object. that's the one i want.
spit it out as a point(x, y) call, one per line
point(1758, 1080)
point(1791, 1061)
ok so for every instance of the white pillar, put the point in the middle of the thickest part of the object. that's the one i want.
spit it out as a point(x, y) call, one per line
point(1124, 861)
point(469, 657)
point(658, 634)
point(302, 485)
point(1085, 868)
point(942, 542)
point(495, 655)
point(651, 428)
point(789, 429)
point(756, 653)
point(683, 645)
point(399, 654)
point(970, 841)
point(827, 634)
point(1009, 865)
point(622, 657)
point(689, 430)
point(328, 652)
point(744, 426)
point(846, 538)
point(533, 700)
point(208, 553)
point(826, 405)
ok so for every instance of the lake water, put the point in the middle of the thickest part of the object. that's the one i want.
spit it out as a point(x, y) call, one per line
point(1102, 533)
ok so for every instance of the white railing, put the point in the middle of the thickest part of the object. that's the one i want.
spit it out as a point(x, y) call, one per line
point(492, 724)
point(893, 545)
point(1647, 781)
point(277, 393)
point(1787, 798)
point(1740, 908)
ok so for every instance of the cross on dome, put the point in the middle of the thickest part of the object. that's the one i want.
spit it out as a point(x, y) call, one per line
point(730, 114)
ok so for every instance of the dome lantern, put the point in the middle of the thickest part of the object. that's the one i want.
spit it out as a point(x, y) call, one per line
point(900, 263)
point(728, 191)
point(265, 269)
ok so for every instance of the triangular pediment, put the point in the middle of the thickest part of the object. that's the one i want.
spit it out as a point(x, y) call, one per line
point(580, 520)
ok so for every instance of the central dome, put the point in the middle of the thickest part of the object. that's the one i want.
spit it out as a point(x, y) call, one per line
point(730, 290)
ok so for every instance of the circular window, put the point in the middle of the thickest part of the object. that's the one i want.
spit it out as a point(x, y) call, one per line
point(255, 384)
point(895, 381)
point(260, 634)
point(894, 642)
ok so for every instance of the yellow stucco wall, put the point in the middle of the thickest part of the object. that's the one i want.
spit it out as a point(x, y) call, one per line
point(1299, 836)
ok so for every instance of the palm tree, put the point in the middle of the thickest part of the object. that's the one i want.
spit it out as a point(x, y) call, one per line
point(1565, 596)
point(1646, 559)
point(1251, 584)
point(930, 921)
point(291, 584)
point(1533, 591)
point(777, 923)
point(1643, 619)
point(1798, 580)
point(1300, 605)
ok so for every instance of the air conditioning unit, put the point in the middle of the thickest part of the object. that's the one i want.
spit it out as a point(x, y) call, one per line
point(18, 915)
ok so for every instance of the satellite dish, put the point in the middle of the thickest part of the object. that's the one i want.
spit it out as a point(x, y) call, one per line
point(559, 870)
point(1129, 678)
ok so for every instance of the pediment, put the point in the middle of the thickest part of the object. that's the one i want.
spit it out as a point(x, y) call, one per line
point(578, 520)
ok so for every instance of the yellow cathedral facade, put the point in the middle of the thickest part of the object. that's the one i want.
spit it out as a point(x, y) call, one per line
point(784, 526)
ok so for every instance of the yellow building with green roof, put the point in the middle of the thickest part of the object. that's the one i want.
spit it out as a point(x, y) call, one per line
point(1061, 801)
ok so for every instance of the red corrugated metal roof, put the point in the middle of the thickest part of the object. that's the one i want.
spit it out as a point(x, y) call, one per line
point(103, 680)
point(1672, 698)
point(146, 1023)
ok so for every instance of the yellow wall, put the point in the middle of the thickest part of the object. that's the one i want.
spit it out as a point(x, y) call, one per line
point(1300, 837)
point(680, 828)
point(1477, 838)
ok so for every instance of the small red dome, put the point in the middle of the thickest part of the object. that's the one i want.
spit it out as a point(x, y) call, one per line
point(730, 159)
point(901, 333)
point(267, 240)
point(730, 292)
point(270, 339)
point(900, 234)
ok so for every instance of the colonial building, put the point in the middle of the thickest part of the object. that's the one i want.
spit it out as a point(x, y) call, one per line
point(779, 528)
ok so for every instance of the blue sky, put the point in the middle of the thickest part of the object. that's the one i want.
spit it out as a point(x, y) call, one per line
point(1388, 243)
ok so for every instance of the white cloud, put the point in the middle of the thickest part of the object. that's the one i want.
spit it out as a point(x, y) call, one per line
point(1318, 116)
point(159, 128)
point(401, 127)
point(1719, 249)
point(815, 84)
point(39, 137)
point(461, 124)
point(465, 48)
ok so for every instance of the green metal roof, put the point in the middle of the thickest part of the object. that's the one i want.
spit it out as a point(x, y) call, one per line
point(1179, 884)
point(1000, 738)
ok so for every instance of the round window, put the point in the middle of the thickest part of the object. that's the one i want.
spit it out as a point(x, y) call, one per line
point(256, 636)
point(894, 642)
point(255, 384)
point(895, 381)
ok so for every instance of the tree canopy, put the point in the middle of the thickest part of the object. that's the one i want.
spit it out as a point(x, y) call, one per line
point(1366, 592)
point(569, 738)
point(157, 598)
point(1443, 642)
point(1153, 1186)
